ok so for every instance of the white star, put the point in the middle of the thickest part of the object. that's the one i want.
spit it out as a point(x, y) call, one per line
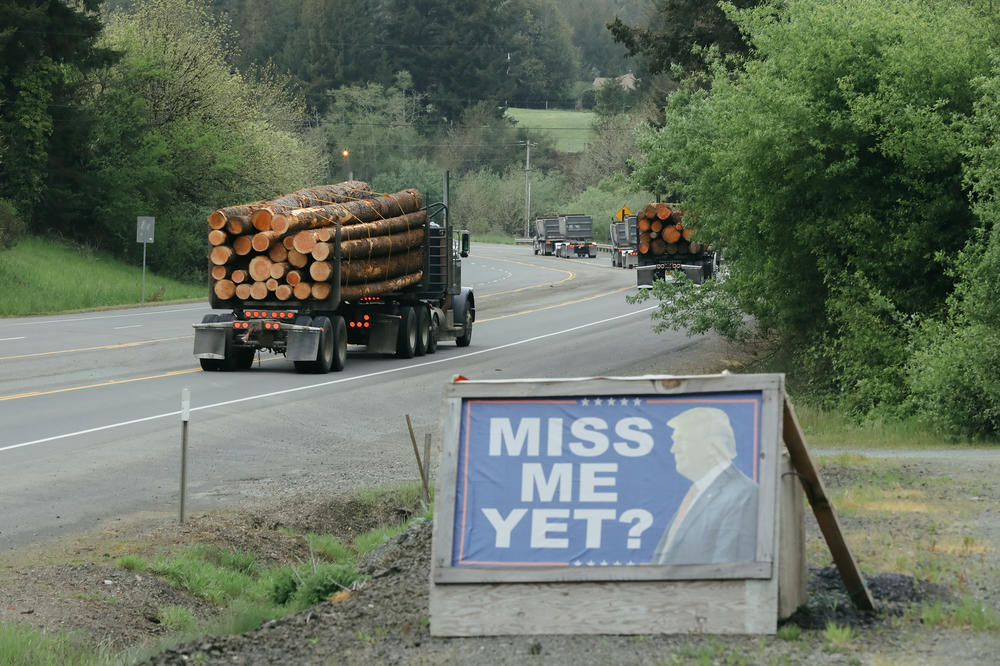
point(597, 401)
point(618, 563)
point(585, 402)
point(578, 563)
point(604, 563)
point(591, 563)
point(637, 402)
point(630, 563)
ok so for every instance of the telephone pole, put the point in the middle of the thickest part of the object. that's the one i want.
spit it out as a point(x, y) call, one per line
point(527, 184)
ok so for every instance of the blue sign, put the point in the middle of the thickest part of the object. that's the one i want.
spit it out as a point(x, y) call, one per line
point(611, 480)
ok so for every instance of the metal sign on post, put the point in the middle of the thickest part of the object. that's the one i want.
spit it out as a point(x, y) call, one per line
point(144, 234)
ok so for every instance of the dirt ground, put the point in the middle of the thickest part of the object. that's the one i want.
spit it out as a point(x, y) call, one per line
point(934, 539)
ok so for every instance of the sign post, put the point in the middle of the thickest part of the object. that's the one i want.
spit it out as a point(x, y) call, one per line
point(144, 234)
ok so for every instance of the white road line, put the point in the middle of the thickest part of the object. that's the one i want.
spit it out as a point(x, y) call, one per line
point(118, 328)
point(9, 339)
point(344, 380)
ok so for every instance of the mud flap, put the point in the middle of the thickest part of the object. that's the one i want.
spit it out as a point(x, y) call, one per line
point(303, 344)
point(384, 335)
point(210, 343)
point(644, 276)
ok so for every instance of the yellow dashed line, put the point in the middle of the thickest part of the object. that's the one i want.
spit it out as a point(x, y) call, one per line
point(113, 382)
point(83, 349)
point(557, 305)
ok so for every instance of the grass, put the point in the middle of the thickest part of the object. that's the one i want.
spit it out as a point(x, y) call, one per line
point(570, 129)
point(44, 277)
point(27, 646)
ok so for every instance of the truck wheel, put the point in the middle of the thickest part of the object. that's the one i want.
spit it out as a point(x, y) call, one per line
point(231, 361)
point(432, 336)
point(423, 330)
point(406, 341)
point(339, 343)
point(466, 337)
point(210, 364)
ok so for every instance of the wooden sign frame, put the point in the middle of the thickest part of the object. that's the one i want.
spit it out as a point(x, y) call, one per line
point(722, 597)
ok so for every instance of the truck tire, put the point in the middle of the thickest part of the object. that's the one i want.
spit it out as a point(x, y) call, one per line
point(232, 359)
point(423, 330)
point(466, 337)
point(406, 340)
point(339, 343)
point(432, 336)
point(327, 349)
point(210, 364)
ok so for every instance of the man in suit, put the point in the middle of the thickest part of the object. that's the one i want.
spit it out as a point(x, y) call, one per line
point(717, 519)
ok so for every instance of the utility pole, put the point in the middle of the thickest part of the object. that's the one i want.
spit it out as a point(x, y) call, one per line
point(527, 184)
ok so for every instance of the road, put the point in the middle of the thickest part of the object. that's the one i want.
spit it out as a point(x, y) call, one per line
point(90, 403)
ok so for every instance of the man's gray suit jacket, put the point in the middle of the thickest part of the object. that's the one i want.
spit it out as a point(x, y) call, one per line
point(721, 526)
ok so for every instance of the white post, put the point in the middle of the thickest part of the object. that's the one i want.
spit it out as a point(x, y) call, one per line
point(185, 417)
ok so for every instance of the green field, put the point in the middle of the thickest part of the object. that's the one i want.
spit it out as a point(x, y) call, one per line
point(43, 277)
point(570, 129)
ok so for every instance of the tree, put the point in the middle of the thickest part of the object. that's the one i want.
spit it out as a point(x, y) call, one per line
point(679, 32)
point(600, 53)
point(180, 133)
point(46, 50)
point(542, 60)
point(830, 172)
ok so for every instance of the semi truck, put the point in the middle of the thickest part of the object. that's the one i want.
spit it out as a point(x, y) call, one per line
point(666, 247)
point(314, 332)
point(547, 235)
point(624, 242)
point(577, 232)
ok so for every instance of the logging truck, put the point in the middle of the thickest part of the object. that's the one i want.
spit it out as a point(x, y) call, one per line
point(665, 247)
point(389, 280)
point(624, 242)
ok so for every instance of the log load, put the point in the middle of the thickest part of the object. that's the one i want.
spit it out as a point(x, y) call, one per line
point(291, 256)
point(661, 230)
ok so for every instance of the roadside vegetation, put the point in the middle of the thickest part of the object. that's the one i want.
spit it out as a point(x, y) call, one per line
point(246, 589)
point(44, 277)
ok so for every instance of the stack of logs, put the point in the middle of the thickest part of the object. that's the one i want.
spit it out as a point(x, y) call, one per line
point(283, 248)
point(662, 231)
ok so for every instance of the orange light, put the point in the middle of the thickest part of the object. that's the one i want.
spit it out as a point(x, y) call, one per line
point(352, 324)
point(367, 317)
point(367, 324)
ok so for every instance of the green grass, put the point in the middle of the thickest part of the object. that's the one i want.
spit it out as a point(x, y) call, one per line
point(830, 429)
point(571, 130)
point(27, 646)
point(43, 277)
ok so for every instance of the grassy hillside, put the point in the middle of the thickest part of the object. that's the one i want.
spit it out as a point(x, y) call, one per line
point(42, 277)
point(570, 129)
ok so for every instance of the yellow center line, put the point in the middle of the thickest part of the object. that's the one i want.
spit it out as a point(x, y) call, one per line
point(114, 382)
point(569, 276)
point(84, 349)
point(557, 305)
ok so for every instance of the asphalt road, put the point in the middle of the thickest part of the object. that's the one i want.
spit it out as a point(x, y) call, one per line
point(90, 403)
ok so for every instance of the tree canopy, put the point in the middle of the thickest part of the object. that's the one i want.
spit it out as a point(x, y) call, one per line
point(830, 170)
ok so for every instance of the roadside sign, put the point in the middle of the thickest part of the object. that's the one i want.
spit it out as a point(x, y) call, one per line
point(620, 215)
point(144, 229)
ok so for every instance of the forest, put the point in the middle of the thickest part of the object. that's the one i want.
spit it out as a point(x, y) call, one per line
point(840, 153)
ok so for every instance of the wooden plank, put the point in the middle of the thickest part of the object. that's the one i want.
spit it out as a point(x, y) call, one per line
point(668, 607)
point(829, 525)
point(792, 572)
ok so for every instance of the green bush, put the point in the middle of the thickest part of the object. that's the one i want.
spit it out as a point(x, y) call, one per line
point(955, 379)
point(321, 581)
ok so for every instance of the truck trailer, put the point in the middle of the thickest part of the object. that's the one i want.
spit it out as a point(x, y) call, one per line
point(665, 247)
point(624, 242)
point(578, 236)
point(547, 235)
point(404, 315)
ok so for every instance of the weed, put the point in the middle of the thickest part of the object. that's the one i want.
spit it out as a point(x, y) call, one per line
point(132, 563)
point(837, 638)
point(176, 618)
point(330, 548)
point(789, 632)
